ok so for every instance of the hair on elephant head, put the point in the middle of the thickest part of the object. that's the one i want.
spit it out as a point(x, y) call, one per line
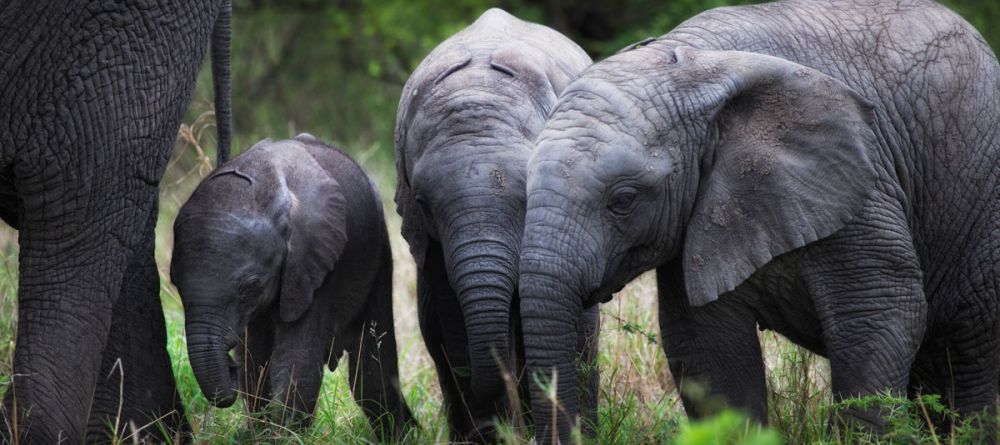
point(464, 131)
point(278, 253)
point(719, 166)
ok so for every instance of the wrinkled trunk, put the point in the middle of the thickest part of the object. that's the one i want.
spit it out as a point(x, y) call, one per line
point(483, 260)
point(216, 372)
point(549, 317)
point(551, 305)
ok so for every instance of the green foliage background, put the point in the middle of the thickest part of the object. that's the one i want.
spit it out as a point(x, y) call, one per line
point(336, 68)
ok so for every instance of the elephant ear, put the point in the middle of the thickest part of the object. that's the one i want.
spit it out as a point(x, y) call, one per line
point(412, 227)
point(790, 164)
point(411, 129)
point(406, 204)
point(312, 211)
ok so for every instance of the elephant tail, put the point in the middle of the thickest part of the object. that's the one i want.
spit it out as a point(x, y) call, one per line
point(222, 80)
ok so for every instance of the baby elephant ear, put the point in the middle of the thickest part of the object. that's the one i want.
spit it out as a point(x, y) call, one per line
point(316, 222)
point(791, 164)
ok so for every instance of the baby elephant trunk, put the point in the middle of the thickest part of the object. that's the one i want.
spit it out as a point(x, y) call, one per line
point(216, 371)
point(484, 277)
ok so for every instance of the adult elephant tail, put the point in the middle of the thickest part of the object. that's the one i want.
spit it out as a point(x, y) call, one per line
point(222, 80)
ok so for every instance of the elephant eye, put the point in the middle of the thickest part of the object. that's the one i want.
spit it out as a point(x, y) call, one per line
point(622, 200)
point(249, 286)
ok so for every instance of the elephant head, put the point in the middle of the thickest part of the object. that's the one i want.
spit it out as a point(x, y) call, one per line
point(719, 160)
point(246, 247)
point(465, 127)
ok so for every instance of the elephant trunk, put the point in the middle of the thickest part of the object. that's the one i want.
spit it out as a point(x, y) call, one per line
point(483, 265)
point(216, 372)
point(551, 307)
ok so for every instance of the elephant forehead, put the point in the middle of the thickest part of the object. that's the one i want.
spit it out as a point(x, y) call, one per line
point(223, 230)
point(577, 135)
point(604, 110)
point(503, 172)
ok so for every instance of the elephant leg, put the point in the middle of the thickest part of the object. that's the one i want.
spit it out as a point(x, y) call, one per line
point(74, 240)
point(62, 324)
point(8, 199)
point(870, 302)
point(713, 351)
point(301, 348)
point(972, 386)
point(866, 363)
point(972, 339)
point(959, 362)
point(587, 372)
point(443, 328)
point(926, 378)
point(136, 383)
point(374, 368)
point(258, 345)
point(943, 369)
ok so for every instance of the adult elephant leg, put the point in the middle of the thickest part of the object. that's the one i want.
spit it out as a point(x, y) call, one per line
point(61, 327)
point(713, 351)
point(74, 242)
point(443, 328)
point(587, 372)
point(136, 384)
point(374, 368)
point(8, 199)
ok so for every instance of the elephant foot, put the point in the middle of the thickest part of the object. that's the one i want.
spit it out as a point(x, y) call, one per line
point(484, 432)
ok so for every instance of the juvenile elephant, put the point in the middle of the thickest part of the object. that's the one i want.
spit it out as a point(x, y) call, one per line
point(827, 170)
point(466, 122)
point(91, 96)
point(283, 255)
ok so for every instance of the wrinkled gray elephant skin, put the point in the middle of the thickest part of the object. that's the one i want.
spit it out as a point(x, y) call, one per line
point(827, 170)
point(464, 131)
point(91, 96)
point(283, 255)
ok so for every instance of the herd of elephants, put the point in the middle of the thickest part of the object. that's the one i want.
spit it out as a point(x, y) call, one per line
point(827, 170)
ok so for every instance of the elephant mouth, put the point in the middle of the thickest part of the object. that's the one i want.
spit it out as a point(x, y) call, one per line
point(602, 295)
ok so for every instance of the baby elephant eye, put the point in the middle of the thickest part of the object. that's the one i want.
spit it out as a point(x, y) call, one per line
point(249, 286)
point(622, 200)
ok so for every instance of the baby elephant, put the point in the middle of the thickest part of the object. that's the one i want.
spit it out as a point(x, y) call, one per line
point(283, 254)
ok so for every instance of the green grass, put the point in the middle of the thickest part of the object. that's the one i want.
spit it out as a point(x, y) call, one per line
point(638, 400)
